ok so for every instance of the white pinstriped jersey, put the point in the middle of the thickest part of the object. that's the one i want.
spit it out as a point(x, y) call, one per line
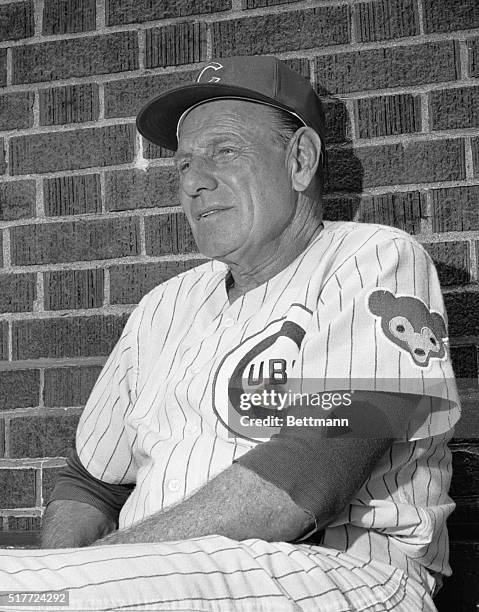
point(367, 303)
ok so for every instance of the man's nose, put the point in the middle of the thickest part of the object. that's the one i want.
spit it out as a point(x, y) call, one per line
point(198, 176)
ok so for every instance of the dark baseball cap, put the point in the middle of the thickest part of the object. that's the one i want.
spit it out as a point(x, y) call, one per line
point(262, 79)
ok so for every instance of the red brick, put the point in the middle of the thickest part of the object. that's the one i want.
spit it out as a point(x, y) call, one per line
point(66, 337)
point(414, 162)
point(18, 488)
point(70, 104)
point(125, 98)
point(381, 68)
point(463, 313)
point(16, 110)
point(63, 16)
point(152, 151)
point(455, 209)
point(137, 11)
point(464, 361)
point(69, 386)
point(49, 478)
point(386, 19)
point(452, 262)
point(3, 67)
point(169, 233)
point(343, 208)
point(16, 20)
point(173, 45)
point(72, 150)
point(475, 155)
point(454, 108)
point(19, 389)
point(3, 340)
point(129, 283)
point(42, 436)
point(300, 65)
point(70, 289)
point(64, 59)
point(337, 122)
point(251, 4)
point(450, 15)
point(72, 195)
point(473, 48)
point(281, 32)
point(17, 292)
point(80, 240)
point(402, 210)
point(17, 200)
point(24, 523)
point(130, 189)
point(388, 115)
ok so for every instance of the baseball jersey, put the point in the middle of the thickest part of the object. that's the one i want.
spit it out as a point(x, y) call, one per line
point(360, 309)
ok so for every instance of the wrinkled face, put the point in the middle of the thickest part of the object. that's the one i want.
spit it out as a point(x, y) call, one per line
point(234, 182)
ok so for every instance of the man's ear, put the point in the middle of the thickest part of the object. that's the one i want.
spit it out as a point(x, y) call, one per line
point(304, 156)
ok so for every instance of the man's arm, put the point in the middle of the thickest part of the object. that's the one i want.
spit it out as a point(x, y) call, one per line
point(68, 524)
point(81, 507)
point(239, 504)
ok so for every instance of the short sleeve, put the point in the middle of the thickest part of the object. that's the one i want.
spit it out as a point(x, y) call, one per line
point(380, 325)
point(102, 440)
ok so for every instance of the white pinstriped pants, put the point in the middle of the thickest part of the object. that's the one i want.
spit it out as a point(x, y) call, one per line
point(211, 573)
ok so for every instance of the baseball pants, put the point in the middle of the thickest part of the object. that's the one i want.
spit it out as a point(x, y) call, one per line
point(212, 573)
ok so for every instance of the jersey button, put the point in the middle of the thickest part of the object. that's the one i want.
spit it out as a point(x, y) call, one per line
point(228, 323)
point(174, 485)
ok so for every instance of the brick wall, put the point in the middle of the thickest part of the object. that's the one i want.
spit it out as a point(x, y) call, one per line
point(89, 220)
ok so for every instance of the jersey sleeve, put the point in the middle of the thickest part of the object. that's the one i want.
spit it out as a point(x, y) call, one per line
point(103, 443)
point(380, 325)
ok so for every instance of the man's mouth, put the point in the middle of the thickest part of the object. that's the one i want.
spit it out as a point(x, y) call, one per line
point(208, 213)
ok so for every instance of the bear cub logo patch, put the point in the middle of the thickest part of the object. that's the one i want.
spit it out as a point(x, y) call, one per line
point(407, 322)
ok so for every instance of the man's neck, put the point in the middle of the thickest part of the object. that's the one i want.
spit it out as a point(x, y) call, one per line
point(239, 281)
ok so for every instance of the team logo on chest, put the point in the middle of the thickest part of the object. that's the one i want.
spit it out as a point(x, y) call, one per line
point(260, 363)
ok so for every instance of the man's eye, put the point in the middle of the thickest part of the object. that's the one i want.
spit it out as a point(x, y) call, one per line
point(225, 153)
point(183, 165)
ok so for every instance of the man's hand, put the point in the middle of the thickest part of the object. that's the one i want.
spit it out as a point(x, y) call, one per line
point(68, 524)
point(237, 504)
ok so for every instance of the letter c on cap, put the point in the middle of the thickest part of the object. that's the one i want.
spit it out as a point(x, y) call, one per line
point(214, 66)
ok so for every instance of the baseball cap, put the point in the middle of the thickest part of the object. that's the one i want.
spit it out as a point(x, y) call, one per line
point(263, 79)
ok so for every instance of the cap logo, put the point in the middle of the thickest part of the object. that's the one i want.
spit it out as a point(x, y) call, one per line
point(212, 66)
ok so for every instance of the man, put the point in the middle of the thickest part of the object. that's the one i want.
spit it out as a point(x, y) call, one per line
point(203, 427)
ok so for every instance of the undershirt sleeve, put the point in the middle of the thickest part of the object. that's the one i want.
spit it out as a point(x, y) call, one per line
point(298, 458)
point(75, 483)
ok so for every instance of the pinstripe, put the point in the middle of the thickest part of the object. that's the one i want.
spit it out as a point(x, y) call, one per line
point(183, 339)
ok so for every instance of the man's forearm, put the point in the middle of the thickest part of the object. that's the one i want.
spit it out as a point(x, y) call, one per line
point(237, 504)
point(68, 524)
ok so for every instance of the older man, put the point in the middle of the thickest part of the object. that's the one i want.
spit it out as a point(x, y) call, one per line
point(271, 424)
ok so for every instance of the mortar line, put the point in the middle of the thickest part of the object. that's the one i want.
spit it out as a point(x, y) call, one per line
point(464, 60)
point(469, 160)
point(41, 403)
point(100, 15)
point(424, 101)
point(420, 15)
point(9, 67)
point(38, 305)
point(101, 101)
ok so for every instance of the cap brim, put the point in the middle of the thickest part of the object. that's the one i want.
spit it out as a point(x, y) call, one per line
point(158, 119)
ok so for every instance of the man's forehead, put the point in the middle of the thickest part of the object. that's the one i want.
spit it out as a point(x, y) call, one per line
point(230, 115)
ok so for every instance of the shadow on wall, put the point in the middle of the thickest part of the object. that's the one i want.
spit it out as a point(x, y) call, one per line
point(344, 198)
